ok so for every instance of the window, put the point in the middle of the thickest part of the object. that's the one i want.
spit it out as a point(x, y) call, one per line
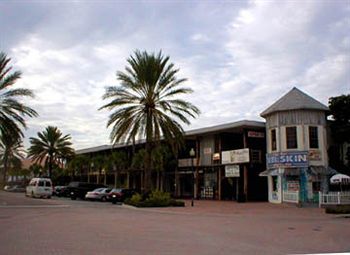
point(41, 184)
point(256, 156)
point(273, 140)
point(313, 137)
point(291, 135)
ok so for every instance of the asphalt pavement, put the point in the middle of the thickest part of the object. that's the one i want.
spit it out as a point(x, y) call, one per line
point(62, 226)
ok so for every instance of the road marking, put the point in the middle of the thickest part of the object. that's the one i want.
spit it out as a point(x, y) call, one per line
point(34, 206)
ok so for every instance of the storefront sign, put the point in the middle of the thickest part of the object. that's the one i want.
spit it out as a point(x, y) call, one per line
point(256, 134)
point(235, 156)
point(216, 156)
point(315, 155)
point(232, 171)
point(207, 150)
point(287, 159)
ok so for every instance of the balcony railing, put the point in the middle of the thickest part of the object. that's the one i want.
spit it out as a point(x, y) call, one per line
point(187, 162)
point(291, 196)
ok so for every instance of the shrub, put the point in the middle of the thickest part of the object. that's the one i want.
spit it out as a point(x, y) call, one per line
point(158, 198)
point(153, 199)
point(338, 209)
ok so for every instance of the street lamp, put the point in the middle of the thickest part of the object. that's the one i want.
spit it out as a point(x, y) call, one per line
point(192, 155)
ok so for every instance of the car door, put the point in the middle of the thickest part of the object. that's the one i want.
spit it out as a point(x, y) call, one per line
point(48, 187)
point(41, 187)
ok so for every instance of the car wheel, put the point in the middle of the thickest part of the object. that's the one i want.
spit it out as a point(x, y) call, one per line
point(103, 199)
point(73, 198)
point(49, 197)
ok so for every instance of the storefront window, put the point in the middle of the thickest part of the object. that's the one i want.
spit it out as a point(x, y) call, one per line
point(274, 183)
point(291, 135)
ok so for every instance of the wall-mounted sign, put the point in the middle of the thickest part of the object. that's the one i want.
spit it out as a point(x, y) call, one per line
point(256, 134)
point(207, 150)
point(232, 171)
point(216, 156)
point(235, 156)
point(315, 155)
point(287, 159)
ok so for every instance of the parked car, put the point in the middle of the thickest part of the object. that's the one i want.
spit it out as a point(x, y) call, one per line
point(17, 188)
point(59, 191)
point(98, 194)
point(39, 187)
point(79, 189)
point(119, 195)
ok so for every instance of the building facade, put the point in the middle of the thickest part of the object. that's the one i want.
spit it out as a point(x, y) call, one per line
point(297, 161)
point(229, 161)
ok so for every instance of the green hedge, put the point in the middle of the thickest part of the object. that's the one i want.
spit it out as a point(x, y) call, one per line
point(338, 209)
point(155, 199)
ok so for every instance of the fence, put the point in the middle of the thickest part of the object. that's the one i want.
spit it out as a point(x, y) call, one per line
point(291, 196)
point(334, 198)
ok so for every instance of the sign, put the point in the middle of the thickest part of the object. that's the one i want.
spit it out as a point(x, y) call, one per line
point(216, 156)
point(287, 159)
point(235, 156)
point(315, 155)
point(256, 134)
point(232, 171)
point(207, 150)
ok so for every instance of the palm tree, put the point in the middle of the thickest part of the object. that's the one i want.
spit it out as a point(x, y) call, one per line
point(145, 104)
point(11, 153)
point(79, 163)
point(12, 112)
point(116, 162)
point(51, 147)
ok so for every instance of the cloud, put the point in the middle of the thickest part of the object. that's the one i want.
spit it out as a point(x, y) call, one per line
point(239, 57)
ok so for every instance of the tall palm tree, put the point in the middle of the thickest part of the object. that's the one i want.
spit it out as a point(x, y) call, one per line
point(12, 112)
point(145, 103)
point(51, 147)
point(11, 153)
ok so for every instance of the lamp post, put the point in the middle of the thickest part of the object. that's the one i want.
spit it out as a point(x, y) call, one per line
point(192, 155)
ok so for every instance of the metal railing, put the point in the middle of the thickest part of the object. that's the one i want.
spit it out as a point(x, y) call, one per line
point(334, 198)
point(291, 196)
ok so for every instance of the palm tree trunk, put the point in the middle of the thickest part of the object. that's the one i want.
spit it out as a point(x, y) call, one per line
point(50, 166)
point(5, 169)
point(115, 179)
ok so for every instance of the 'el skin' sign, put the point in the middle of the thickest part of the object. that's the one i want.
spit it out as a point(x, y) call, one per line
point(287, 159)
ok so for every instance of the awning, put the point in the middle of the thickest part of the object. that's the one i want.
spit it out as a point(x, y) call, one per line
point(321, 170)
point(291, 171)
point(269, 172)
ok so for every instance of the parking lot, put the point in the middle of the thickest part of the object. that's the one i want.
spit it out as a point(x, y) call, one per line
point(62, 226)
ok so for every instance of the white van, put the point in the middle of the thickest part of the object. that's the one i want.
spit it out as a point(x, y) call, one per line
point(39, 187)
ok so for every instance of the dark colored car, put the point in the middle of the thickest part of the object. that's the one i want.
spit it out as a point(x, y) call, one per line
point(119, 195)
point(59, 191)
point(79, 189)
point(17, 188)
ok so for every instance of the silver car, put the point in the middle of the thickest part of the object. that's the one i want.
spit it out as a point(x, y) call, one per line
point(98, 194)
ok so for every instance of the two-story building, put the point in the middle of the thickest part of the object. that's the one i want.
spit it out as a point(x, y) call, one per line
point(297, 162)
point(227, 161)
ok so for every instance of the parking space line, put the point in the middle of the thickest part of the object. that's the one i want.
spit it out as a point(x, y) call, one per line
point(34, 206)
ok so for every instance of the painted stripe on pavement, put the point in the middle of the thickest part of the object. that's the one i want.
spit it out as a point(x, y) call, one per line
point(34, 206)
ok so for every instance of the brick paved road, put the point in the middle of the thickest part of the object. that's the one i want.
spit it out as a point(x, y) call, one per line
point(61, 226)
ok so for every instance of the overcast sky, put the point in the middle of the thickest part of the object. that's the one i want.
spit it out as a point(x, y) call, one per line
point(239, 56)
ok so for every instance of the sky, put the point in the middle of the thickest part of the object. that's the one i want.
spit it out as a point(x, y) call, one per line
point(238, 56)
